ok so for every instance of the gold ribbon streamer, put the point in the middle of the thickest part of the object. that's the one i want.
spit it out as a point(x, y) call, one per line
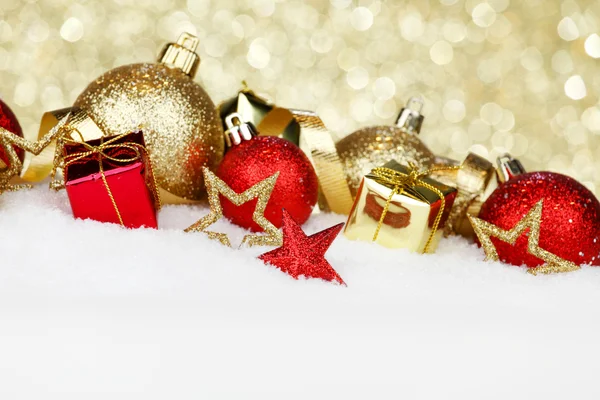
point(318, 145)
point(399, 181)
point(55, 124)
point(100, 151)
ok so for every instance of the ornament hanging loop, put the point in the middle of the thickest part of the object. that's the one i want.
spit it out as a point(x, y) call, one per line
point(238, 130)
point(182, 54)
point(410, 118)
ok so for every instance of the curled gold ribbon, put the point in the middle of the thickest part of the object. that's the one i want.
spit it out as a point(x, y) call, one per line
point(399, 181)
point(318, 145)
point(101, 152)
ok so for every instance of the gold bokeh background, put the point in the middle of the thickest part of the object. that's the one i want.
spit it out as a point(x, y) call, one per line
point(497, 75)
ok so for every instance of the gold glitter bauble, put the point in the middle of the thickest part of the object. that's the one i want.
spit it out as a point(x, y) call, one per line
point(375, 146)
point(181, 126)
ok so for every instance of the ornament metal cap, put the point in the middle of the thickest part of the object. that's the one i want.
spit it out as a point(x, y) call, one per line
point(509, 167)
point(238, 130)
point(182, 54)
point(410, 118)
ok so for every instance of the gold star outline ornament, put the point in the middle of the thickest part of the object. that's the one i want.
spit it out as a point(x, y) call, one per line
point(262, 191)
point(485, 231)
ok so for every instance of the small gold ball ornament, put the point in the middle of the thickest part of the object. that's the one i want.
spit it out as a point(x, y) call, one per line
point(374, 146)
point(182, 129)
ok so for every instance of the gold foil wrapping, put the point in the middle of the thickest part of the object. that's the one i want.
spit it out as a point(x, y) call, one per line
point(410, 217)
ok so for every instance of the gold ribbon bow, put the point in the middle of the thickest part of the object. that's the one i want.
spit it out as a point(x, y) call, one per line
point(399, 181)
point(130, 152)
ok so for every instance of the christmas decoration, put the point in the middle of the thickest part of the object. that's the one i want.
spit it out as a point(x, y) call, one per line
point(180, 122)
point(252, 161)
point(372, 147)
point(9, 122)
point(304, 255)
point(110, 180)
point(471, 180)
point(532, 221)
point(66, 122)
point(569, 226)
point(400, 207)
point(260, 191)
point(306, 130)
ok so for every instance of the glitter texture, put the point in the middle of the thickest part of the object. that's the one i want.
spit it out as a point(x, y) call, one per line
point(372, 147)
point(532, 221)
point(304, 255)
point(9, 121)
point(262, 191)
point(570, 221)
point(246, 164)
point(180, 122)
point(353, 62)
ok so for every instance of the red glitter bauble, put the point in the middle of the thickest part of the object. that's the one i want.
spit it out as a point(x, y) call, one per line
point(246, 164)
point(570, 226)
point(8, 121)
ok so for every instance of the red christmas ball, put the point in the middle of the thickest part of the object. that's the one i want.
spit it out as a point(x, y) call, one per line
point(570, 226)
point(8, 121)
point(246, 164)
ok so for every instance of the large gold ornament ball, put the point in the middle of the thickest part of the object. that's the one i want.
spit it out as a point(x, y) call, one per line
point(372, 147)
point(181, 127)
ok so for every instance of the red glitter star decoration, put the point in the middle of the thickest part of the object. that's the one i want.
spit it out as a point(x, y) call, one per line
point(304, 255)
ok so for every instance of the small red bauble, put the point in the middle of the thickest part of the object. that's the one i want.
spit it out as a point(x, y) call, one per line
point(246, 164)
point(570, 226)
point(8, 121)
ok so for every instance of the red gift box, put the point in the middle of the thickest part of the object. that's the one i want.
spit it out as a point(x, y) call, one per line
point(110, 180)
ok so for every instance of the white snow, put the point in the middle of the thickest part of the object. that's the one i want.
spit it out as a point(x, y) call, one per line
point(93, 311)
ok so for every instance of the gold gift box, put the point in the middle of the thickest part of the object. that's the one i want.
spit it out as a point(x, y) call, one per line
point(411, 214)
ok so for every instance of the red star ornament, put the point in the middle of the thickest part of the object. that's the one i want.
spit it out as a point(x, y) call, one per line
point(304, 255)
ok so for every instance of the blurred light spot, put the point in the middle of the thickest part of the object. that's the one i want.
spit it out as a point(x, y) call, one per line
point(412, 27)
point(479, 130)
point(361, 18)
point(483, 15)
point(591, 119)
point(592, 45)
point(491, 113)
point(384, 88)
point(567, 29)
point(348, 58)
point(321, 41)
point(499, 5)
point(25, 92)
point(385, 109)
point(460, 141)
point(263, 8)
point(576, 134)
point(562, 62)
point(341, 4)
point(507, 122)
point(361, 108)
point(441, 53)
point(531, 59)
point(5, 32)
point(448, 2)
point(489, 71)
point(357, 78)
point(38, 31)
point(575, 88)
point(258, 55)
point(214, 46)
point(501, 28)
point(454, 31)
point(454, 111)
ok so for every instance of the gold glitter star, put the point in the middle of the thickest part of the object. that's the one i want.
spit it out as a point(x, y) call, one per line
point(262, 190)
point(485, 231)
